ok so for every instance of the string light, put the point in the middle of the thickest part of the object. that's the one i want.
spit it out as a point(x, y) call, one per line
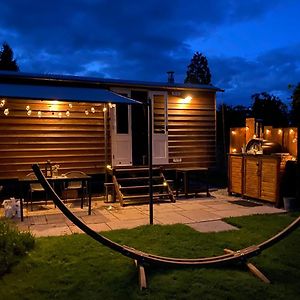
point(104, 109)
point(268, 131)
point(27, 107)
point(93, 110)
point(59, 114)
point(28, 112)
point(279, 131)
point(6, 111)
point(67, 113)
point(39, 113)
point(234, 150)
point(86, 112)
point(247, 128)
point(2, 103)
point(233, 132)
point(70, 105)
point(291, 131)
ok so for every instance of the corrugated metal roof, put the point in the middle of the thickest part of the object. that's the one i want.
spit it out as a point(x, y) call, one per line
point(107, 81)
point(62, 93)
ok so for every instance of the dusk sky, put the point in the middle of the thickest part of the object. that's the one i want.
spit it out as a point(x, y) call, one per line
point(251, 46)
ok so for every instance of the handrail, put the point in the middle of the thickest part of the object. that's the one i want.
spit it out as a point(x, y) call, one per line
point(142, 257)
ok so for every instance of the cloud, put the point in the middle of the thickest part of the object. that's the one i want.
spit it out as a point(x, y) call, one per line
point(140, 40)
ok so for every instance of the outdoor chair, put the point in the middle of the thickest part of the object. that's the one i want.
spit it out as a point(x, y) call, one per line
point(35, 188)
point(75, 185)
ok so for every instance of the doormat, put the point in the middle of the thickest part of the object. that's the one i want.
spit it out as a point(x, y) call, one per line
point(246, 203)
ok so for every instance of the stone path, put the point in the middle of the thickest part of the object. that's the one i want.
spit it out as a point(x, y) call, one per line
point(204, 214)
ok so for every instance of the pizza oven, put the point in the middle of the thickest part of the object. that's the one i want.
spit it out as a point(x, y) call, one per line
point(261, 146)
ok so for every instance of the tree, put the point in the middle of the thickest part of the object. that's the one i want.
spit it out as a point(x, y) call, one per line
point(198, 70)
point(6, 59)
point(270, 109)
point(295, 110)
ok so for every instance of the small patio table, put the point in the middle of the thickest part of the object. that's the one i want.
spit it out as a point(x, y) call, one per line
point(183, 180)
point(23, 182)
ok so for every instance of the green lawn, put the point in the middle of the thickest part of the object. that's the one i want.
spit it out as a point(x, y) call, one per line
point(77, 267)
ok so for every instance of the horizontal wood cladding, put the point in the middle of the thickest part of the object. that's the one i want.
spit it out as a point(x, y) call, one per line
point(191, 131)
point(69, 135)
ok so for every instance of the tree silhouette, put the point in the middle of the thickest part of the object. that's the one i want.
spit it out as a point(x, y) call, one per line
point(295, 109)
point(198, 70)
point(270, 109)
point(6, 59)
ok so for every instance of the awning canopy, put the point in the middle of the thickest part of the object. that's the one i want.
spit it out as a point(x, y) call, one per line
point(62, 93)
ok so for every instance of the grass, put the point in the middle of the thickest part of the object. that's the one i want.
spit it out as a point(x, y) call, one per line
point(77, 267)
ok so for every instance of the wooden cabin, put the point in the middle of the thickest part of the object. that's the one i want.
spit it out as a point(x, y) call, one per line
point(257, 170)
point(35, 128)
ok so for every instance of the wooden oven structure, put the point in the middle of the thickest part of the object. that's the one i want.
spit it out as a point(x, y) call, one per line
point(257, 171)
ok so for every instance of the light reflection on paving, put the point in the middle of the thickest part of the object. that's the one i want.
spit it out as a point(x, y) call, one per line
point(202, 212)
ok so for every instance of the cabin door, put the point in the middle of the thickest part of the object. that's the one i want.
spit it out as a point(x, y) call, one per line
point(160, 127)
point(121, 135)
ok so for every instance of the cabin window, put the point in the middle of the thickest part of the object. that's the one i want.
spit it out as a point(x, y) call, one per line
point(122, 118)
point(159, 112)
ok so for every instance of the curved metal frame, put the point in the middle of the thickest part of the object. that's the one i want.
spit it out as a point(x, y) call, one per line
point(142, 257)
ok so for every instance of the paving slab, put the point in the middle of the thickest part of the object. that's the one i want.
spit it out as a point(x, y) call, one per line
point(212, 226)
point(199, 215)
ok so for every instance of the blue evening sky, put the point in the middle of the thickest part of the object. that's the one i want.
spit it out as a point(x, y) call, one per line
point(252, 46)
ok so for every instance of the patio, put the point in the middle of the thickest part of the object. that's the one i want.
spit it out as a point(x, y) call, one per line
point(203, 213)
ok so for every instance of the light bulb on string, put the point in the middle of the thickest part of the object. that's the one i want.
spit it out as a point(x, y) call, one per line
point(27, 107)
point(29, 112)
point(6, 111)
point(60, 115)
point(67, 113)
point(2, 102)
point(39, 113)
point(93, 110)
point(70, 105)
point(86, 112)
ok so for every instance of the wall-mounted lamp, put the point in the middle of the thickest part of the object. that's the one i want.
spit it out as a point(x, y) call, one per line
point(187, 99)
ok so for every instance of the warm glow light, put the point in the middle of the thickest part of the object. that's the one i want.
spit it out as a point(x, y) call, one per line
point(93, 110)
point(110, 105)
point(27, 107)
point(70, 105)
point(104, 109)
point(6, 111)
point(54, 102)
point(67, 113)
point(59, 114)
point(165, 183)
point(2, 103)
point(234, 150)
point(279, 131)
point(233, 132)
point(268, 131)
point(294, 140)
point(254, 136)
point(108, 167)
point(86, 112)
point(291, 131)
point(187, 99)
point(39, 114)
point(28, 112)
point(247, 128)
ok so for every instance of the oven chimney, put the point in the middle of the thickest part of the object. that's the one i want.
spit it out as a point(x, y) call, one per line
point(170, 76)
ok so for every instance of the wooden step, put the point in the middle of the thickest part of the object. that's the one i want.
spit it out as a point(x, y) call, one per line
point(136, 178)
point(144, 196)
point(140, 186)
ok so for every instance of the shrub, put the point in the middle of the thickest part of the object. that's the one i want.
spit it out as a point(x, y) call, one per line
point(13, 244)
